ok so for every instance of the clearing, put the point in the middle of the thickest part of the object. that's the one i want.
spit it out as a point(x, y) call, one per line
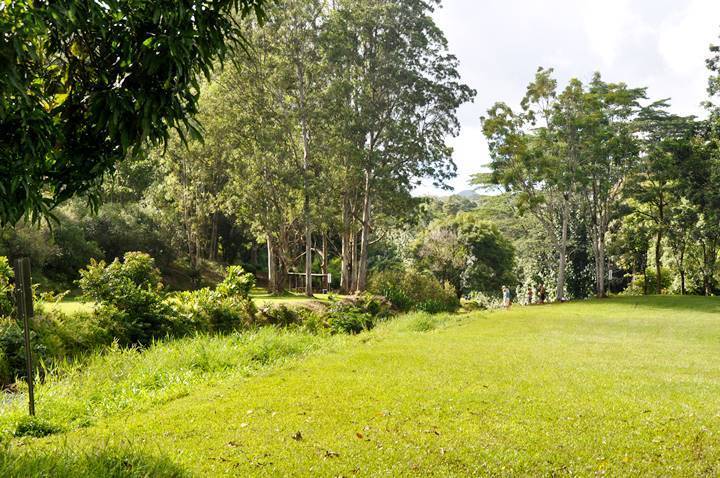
point(622, 387)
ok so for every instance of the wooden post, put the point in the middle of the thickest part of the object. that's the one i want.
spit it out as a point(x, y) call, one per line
point(24, 304)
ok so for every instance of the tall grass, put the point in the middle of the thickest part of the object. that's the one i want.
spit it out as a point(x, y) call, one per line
point(77, 394)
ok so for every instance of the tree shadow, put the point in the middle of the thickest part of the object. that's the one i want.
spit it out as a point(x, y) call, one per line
point(102, 462)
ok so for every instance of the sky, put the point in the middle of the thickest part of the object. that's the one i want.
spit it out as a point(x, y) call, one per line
point(660, 44)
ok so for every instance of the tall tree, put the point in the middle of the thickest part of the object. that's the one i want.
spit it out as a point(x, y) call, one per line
point(403, 89)
point(534, 155)
point(655, 184)
point(610, 152)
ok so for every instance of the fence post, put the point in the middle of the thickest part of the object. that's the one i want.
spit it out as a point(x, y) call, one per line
point(24, 304)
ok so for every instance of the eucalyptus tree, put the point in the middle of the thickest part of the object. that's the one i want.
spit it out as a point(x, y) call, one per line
point(403, 91)
point(295, 27)
point(84, 84)
point(534, 156)
point(264, 185)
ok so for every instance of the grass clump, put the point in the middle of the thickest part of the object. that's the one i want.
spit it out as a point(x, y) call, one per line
point(422, 322)
point(35, 427)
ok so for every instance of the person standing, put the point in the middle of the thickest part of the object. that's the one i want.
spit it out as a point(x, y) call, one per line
point(507, 301)
point(542, 294)
point(529, 295)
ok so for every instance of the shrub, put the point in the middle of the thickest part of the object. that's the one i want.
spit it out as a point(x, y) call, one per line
point(213, 311)
point(237, 282)
point(225, 309)
point(129, 294)
point(348, 319)
point(53, 336)
point(411, 290)
point(354, 314)
point(35, 427)
point(281, 315)
point(484, 302)
point(637, 284)
point(375, 305)
point(12, 345)
point(6, 288)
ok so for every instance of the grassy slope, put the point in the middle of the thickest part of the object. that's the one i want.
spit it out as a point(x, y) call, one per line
point(623, 387)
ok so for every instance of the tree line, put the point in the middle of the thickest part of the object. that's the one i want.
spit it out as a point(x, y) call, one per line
point(315, 137)
point(601, 163)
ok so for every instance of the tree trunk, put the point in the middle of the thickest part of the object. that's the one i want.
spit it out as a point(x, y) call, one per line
point(562, 253)
point(272, 273)
point(354, 262)
point(682, 282)
point(308, 261)
point(324, 265)
point(346, 252)
point(253, 255)
point(300, 70)
point(213, 243)
point(658, 262)
point(365, 236)
point(601, 267)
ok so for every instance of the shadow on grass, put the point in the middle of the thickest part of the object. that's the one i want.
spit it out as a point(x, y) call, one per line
point(107, 462)
point(694, 303)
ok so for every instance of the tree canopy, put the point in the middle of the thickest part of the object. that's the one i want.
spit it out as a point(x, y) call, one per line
point(83, 84)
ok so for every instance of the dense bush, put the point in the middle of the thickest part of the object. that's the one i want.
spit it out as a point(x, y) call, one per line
point(54, 336)
point(129, 296)
point(209, 310)
point(237, 282)
point(410, 290)
point(347, 319)
point(483, 301)
point(355, 314)
point(281, 315)
point(6, 288)
point(121, 228)
point(224, 309)
point(12, 350)
point(637, 283)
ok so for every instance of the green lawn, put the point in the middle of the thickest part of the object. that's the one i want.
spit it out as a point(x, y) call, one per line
point(260, 296)
point(70, 306)
point(263, 298)
point(620, 387)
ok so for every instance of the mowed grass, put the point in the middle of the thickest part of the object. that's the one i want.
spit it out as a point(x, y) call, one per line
point(621, 387)
point(70, 306)
point(261, 297)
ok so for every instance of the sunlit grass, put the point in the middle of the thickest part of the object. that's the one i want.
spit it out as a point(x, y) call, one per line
point(70, 306)
point(621, 387)
point(261, 297)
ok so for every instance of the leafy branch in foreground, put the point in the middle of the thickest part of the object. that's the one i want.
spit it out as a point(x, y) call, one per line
point(83, 84)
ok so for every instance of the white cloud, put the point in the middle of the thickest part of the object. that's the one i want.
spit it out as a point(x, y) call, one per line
point(607, 25)
point(661, 44)
point(683, 39)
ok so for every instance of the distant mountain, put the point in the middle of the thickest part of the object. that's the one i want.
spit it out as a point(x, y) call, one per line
point(467, 193)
